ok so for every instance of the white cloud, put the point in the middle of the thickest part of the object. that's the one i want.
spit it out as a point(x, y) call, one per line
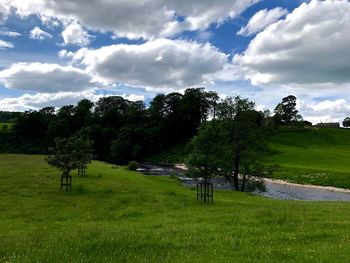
point(4, 9)
point(74, 34)
point(65, 54)
point(261, 20)
point(40, 100)
point(309, 46)
point(9, 33)
point(134, 18)
point(42, 77)
point(160, 63)
point(38, 33)
point(325, 111)
point(5, 45)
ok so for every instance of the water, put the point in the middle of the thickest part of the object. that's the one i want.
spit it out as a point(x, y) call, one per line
point(274, 189)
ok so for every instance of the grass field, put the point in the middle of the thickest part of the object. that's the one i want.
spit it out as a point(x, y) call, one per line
point(114, 215)
point(5, 126)
point(314, 156)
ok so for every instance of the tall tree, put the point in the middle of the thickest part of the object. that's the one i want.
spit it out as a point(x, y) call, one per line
point(230, 107)
point(206, 149)
point(245, 137)
point(286, 112)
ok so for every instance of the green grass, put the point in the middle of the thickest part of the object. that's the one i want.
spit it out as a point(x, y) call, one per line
point(9, 126)
point(115, 215)
point(315, 156)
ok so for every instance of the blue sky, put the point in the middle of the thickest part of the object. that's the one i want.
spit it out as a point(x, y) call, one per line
point(55, 52)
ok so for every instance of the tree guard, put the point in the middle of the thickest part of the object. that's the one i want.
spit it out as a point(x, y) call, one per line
point(205, 192)
point(66, 182)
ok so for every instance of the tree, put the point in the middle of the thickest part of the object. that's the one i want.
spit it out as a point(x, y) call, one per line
point(69, 154)
point(286, 112)
point(62, 155)
point(204, 160)
point(206, 150)
point(57, 128)
point(346, 122)
point(82, 114)
point(230, 147)
point(245, 140)
point(82, 154)
point(231, 107)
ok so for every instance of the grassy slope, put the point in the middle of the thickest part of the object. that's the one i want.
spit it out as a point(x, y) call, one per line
point(8, 124)
point(316, 156)
point(114, 215)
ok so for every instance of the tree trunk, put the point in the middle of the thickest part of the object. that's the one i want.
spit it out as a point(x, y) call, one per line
point(236, 171)
point(243, 182)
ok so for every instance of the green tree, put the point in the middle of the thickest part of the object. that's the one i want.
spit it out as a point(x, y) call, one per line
point(286, 112)
point(206, 151)
point(62, 155)
point(231, 107)
point(346, 122)
point(57, 128)
point(245, 137)
point(82, 153)
point(69, 154)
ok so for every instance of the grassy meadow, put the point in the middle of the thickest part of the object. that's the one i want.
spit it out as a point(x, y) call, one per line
point(313, 156)
point(115, 215)
point(6, 126)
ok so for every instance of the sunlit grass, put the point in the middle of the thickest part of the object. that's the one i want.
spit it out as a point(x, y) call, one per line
point(316, 156)
point(114, 215)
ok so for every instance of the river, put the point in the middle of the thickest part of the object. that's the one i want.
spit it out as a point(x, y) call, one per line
point(276, 189)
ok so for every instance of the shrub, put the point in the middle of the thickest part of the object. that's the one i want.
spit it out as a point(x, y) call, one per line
point(133, 165)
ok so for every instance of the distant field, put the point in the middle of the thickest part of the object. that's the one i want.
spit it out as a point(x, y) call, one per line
point(114, 215)
point(5, 126)
point(315, 156)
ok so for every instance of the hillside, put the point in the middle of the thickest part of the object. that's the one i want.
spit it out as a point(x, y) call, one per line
point(315, 156)
point(114, 215)
point(307, 156)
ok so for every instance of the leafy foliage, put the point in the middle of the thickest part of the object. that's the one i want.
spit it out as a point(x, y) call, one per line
point(286, 112)
point(69, 154)
point(233, 145)
point(346, 122)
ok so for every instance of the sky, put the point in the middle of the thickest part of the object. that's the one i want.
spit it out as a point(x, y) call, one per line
point(57, 52)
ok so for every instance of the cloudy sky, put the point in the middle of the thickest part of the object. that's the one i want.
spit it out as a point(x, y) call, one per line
point(57, 52)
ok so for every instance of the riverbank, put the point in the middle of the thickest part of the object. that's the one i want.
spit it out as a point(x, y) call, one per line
point(275, 188)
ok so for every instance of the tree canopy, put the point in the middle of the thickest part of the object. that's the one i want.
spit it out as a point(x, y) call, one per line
point(286, 112)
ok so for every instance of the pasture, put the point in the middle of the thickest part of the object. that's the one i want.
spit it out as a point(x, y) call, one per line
point(115, 215)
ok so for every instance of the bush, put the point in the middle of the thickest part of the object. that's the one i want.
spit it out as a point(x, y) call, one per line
point(133, 165)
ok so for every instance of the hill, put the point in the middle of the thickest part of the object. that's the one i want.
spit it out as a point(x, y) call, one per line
point(114, 215)
point(306, 156)
point(314, 156)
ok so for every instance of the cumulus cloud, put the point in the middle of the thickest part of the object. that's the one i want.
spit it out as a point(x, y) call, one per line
point(38, 33)
point(136, 19)
point(160, 63)
point(325, 111)
point(309, 46)
point(40, 100)
point(261, 20)
point(4, 9)
point(74, 34)
point(42, 77)
point(65, 54)
point(5, 44)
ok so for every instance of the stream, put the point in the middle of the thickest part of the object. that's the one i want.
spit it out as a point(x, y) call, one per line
point(276, 189)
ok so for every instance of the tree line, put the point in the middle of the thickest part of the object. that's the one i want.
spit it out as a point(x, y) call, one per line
point(121, 130)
